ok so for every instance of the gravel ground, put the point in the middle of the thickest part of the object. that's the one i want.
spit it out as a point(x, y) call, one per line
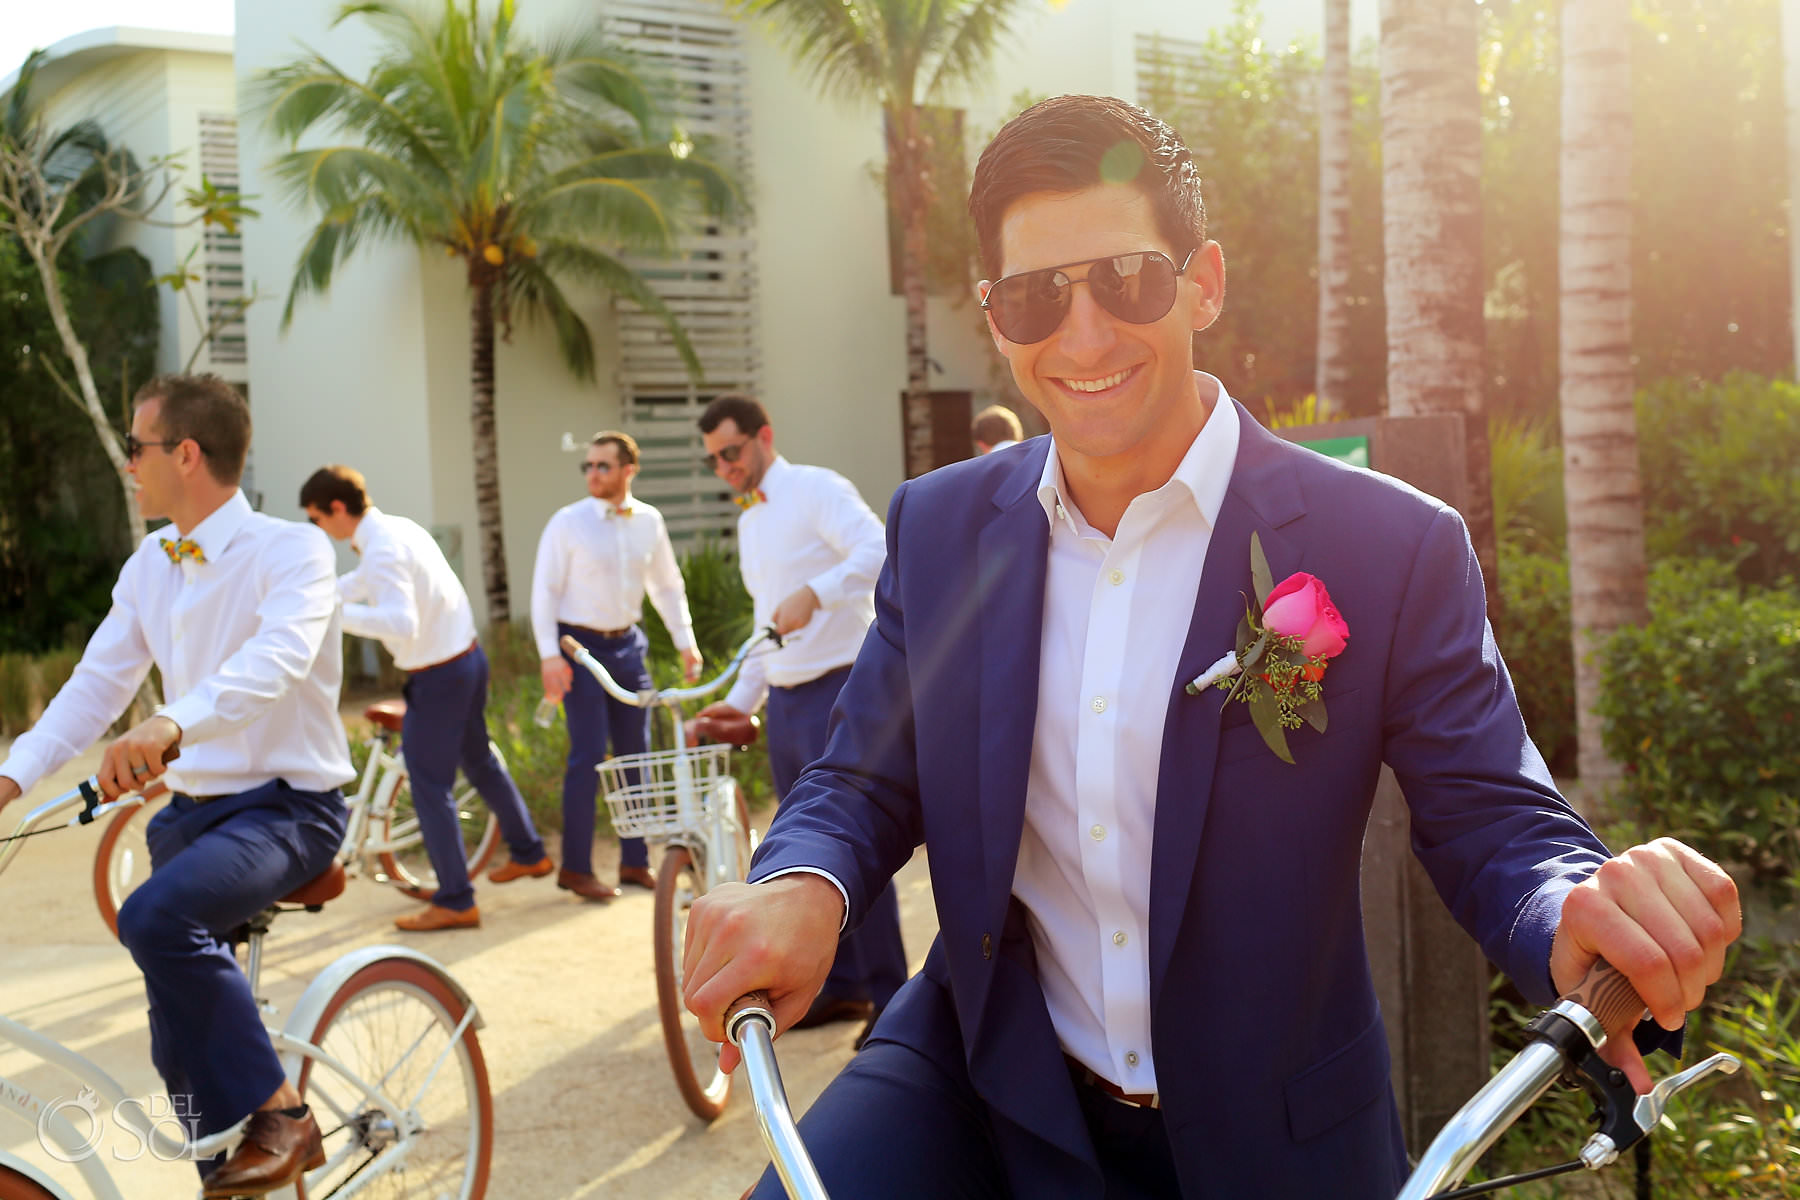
point(584, 1103)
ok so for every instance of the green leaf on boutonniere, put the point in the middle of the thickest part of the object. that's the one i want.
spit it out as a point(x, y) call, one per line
point(1260, 579)
point(1247, 661)
point(1246, 634)
point(1265, 710)
point(1314, 712)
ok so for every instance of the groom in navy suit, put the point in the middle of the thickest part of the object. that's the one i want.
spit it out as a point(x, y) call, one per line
point(1150, 979)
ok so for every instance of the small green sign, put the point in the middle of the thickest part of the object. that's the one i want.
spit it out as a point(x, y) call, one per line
point(1352, 450)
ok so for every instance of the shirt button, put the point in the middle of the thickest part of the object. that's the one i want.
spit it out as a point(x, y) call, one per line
point(1098, 833)
point(1119, 938)
point(1116, 576)
point(1131, 1058)
point(987, 946)
point(1062, 514)
point(1099, 704)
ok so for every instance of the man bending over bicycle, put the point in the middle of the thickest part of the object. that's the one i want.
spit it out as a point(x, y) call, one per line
point(1150, 979)
point(239, 611)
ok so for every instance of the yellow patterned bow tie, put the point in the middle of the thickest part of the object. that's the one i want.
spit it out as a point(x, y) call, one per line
point(749, 499)
point(622, 510)
point(185, 548)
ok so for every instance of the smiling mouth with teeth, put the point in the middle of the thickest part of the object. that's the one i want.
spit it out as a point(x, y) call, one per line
point(1098, 385)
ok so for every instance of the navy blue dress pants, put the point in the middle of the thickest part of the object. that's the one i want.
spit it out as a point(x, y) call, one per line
point(215, 865)
point(445, 728)
point(871, 961)
point(595, 718)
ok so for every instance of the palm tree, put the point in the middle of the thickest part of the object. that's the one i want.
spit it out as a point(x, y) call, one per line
point(1431, 230)
point(1599, 424)
point(533, 163)
point(1333, 370)
point(900, 55)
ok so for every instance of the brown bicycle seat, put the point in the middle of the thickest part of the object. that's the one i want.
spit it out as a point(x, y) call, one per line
point(329, 885)
point(387, 713)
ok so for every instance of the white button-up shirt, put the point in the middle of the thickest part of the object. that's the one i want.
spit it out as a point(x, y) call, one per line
point(811, 529)
point(249, 646)
point(595, 564)
point(1116, 615)
point(404, 592)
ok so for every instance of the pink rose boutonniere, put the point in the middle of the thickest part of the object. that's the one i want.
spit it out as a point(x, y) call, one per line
point(1283, 646)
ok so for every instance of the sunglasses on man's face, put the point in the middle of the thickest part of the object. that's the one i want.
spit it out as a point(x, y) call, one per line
point(602, 467)
point(1138, 288)
point(729, 455)
point(134, 449)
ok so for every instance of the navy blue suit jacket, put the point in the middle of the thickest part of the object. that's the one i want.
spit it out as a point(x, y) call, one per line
point(1270, 1053)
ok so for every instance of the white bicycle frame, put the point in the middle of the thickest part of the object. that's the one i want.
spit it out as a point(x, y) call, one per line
point(290, 1042)
point(373, 798)
point(708, 831)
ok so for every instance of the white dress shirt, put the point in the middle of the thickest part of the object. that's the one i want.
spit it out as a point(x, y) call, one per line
point(249, 646)
point(595, 564)
point(404, 592)
point(1116, 615)
point(810, 529)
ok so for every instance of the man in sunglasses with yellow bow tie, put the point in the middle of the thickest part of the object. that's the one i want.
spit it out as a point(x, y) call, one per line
point(1150, 978)
point(239, 612)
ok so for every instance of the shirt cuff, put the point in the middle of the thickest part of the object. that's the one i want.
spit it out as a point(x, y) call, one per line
point(24, 768)
point(191, 714)
point(825, 875)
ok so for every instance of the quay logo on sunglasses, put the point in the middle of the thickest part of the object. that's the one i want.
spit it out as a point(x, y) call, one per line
point(1138, 287)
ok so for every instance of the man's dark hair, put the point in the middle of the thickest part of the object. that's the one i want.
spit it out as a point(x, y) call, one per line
point(335, 482)
point(208, 410)
point(996, 423)
point(741, 410)
point(628, 447)
point(1070, 143)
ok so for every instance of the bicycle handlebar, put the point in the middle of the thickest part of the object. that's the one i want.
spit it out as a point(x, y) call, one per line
point(650, 697)
point(750, 1024)
point(1566, 1037)
point(93, 808)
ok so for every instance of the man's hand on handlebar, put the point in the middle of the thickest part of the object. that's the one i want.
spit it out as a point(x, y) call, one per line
point(691, 662)
point(795, 611)
point(133, 761)
point(1663, 915)
point(780, 936)
point(559, 677)
point(9, 791)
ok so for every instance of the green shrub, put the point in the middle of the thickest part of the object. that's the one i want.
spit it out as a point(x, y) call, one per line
point(1719, 475)
point(1533, 634)
point(1699, 708)
point(1527, 466)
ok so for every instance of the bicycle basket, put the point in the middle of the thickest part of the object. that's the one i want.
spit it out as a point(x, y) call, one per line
point(644, 791)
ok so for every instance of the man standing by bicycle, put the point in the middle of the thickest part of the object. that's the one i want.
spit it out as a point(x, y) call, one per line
point(597, 560)
point(239, 612)
point(1150, 979)
point(809, 550)
point(405, 593)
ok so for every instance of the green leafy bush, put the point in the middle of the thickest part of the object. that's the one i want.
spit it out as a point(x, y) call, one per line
point(1527, 472)
point(1699, 708)
point(1719, 475)
point(1533, 634)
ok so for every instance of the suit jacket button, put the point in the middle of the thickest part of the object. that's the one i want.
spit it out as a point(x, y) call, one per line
point(987, 946)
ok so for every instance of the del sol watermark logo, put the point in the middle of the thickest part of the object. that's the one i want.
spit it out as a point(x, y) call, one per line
point(122, 1128)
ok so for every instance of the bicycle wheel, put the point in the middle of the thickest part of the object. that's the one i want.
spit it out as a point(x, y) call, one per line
point(122, 859)
point(391, 1025)
point(406, 864)
point(694, 1060)
point(14, 1186)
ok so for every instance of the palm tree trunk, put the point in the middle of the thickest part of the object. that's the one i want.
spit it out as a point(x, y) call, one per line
point(487, 451)
point(908, 158)
point(1431, 228)
point(1599, 424)
point(1333, 368)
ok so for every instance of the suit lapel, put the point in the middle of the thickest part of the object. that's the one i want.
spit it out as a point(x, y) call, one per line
point(1013, 550)
point(1262, 497)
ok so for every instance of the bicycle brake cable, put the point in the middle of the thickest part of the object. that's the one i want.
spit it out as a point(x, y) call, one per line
point(1506, 1181)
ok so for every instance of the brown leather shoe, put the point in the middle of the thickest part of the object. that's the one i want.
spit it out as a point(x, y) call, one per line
point(642, 877)
point(513, 869)
point(429, 920)
point(277, 1149)
point(585, 885)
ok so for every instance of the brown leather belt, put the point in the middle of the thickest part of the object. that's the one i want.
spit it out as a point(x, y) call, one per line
point(611, 634)
point(1101, 1084)
point(446, 662)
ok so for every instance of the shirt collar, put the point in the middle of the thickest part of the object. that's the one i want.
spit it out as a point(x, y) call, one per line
point(608, 508)
point(771, 480)
point(221, 525)
point(1203, 474)
point(364, 528)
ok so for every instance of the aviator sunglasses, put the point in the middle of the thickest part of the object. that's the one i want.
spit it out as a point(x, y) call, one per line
point(1137, 287)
